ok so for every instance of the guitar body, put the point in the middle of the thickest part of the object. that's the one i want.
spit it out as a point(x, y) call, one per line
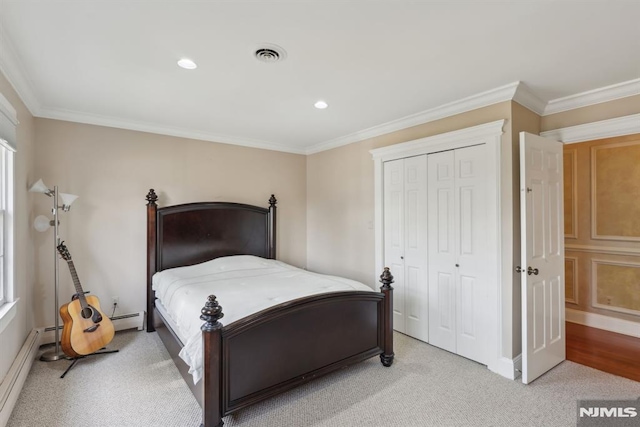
point(81, 335)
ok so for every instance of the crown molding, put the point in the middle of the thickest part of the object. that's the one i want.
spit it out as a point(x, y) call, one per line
point(595, 96)
point(15, 72)
point(525, 97)
point(484, 99)
point(8, 111)
point(416, 147)
point(114, 122)
point(627, 125)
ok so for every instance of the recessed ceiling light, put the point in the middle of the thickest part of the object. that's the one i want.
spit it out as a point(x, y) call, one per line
point(187, 64)
point(321, 105)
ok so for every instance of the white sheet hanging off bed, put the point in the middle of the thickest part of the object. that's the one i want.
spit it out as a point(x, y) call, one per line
point(243, 285)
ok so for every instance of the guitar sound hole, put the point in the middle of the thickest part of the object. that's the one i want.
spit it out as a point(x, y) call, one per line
point(86, 313)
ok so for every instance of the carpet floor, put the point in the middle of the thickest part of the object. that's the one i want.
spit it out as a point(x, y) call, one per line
point(426, 386)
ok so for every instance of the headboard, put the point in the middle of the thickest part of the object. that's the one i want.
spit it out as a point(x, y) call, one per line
point(192, 233)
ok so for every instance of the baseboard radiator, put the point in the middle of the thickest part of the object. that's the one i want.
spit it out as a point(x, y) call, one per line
point(12, 384)
point(120, 323)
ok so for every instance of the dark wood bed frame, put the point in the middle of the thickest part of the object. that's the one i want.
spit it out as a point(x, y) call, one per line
point(278, 348)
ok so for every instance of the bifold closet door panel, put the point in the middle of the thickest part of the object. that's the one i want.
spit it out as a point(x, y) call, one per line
point(415, 252)
point(394, 236)
point(441, 250)
point(457, 278)
point(472, 261)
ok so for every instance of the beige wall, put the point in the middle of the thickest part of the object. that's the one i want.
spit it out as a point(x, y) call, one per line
point(13, 336)
point(112, 170)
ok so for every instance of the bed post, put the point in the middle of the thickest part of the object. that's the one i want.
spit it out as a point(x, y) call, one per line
point(272, 227)
point(152, 208)
point(387, 279)
point(212, 376)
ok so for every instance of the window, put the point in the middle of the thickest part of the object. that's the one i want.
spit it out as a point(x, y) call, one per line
point(8, 123)
point(6, 228)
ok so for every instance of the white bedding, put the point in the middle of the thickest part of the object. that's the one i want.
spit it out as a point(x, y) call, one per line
point(243, 285)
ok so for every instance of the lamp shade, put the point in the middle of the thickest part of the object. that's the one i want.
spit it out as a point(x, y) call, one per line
point(67, 199)
point(39, 187)
point(41, 223)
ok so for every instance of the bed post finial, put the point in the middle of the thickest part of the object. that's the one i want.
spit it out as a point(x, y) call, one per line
point(212, 345)
point(152, 197)
point(272, 200)
point(211, 313)
point(386, 278)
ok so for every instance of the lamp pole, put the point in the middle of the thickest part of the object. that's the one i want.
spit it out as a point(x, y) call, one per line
point(54, 355)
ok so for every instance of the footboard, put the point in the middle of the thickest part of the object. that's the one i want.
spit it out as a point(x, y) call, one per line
point(284, 346)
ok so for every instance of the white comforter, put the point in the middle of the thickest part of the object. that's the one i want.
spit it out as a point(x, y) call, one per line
point(243, 285)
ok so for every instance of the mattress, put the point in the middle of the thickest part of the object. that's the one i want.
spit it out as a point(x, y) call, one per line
point(243, 285)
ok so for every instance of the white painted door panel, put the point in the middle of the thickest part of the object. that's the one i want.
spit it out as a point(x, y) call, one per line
point(394, 236)
point(457, 267)
point(541, 205)
point(415, 253)
point(441, 253)
point(470, 213)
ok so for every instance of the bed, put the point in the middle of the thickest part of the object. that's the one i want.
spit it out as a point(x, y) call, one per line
point(276, 348)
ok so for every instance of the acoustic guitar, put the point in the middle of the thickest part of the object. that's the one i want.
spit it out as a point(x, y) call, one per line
point(86, 328)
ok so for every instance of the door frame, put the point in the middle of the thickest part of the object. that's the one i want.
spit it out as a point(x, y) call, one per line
point(489, 134)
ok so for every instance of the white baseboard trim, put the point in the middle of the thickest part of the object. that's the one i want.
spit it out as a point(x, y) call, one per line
point(612, 324)
point(120, 323)
point(517, 365)
point(12, 384)
point(508, 368)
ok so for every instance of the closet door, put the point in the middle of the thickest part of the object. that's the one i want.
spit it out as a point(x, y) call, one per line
point(415, 253)
point(441, 253)
point(457, 265)
point(405, 242)
point(394, 236)
point(470, 214)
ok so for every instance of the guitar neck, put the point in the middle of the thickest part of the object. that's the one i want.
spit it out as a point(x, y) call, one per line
point(76, 284)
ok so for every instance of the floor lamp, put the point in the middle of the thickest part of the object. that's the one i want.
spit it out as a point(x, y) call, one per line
point(42, 223)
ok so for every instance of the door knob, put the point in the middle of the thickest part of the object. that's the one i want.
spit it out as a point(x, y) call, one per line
point(531, 271)
point(519, 269)
point(401, 257)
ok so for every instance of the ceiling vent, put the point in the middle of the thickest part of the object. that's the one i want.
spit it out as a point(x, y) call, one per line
point(270, 53)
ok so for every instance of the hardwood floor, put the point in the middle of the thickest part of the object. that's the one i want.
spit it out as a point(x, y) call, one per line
point(607, 351)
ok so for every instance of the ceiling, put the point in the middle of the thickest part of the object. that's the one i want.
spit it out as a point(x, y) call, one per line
point(114, 62)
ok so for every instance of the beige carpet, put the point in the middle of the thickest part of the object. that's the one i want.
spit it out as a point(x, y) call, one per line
point(426, 386)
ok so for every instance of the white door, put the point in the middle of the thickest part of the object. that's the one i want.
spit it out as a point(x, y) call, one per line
point(541, 206)
point(394, 236)
point(472, 264)
point(442, 253)
point(415, 242)
point(405, 242)
point(458, 262)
